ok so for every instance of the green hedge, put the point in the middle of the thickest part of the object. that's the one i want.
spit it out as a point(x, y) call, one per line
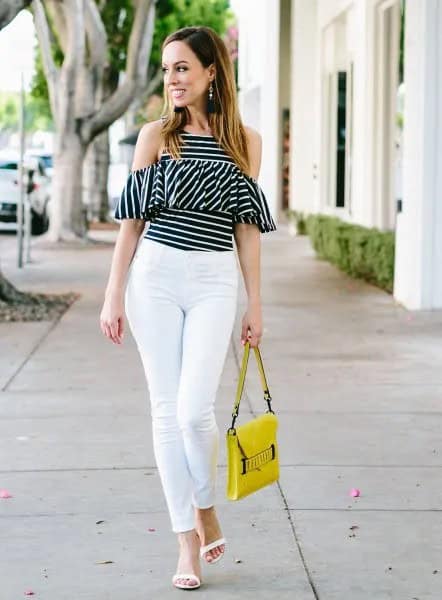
point(359, 251)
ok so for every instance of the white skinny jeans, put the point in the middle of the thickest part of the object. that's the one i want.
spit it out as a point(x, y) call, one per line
point(181, 306)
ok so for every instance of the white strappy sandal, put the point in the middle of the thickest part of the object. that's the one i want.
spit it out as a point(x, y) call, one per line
point(205, 549)
point(186, 586)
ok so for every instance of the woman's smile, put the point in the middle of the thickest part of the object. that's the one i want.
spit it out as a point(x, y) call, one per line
point(178, 93)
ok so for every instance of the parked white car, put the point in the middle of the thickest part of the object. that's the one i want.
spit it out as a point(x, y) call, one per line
point(45, 159)
point(36, 182)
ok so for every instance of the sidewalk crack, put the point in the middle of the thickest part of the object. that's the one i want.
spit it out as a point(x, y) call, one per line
point(32, 352)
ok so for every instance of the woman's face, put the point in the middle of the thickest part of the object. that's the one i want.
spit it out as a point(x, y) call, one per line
point(185, 79)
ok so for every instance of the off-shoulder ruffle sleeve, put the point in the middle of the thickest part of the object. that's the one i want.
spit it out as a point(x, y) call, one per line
point(133, 197)
point(251, 205)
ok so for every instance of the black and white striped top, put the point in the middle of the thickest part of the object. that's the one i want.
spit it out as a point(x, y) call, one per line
point(193, 202)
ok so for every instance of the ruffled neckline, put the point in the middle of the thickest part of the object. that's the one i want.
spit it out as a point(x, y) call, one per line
point(199, 184)
point(160, 162)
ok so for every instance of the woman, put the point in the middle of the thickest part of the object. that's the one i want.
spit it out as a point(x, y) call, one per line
point(193, 178)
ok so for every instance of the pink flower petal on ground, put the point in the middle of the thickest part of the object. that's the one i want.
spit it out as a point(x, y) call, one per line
point(355, 492)
point(151, 529)
point(5, 494)
point(29, 593)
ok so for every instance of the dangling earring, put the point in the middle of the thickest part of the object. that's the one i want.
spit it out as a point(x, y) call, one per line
point(210, 101)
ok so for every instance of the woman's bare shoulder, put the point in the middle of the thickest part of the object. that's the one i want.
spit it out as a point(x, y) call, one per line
point(148, 144)
point(252, 134)
point(254, 145)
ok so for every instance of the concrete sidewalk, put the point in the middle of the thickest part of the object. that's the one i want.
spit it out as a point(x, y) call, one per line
point(356, 382)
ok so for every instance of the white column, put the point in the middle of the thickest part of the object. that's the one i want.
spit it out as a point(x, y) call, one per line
point(270, 119)
point(418, 271)
point(305, 107)
point(258, 76)
point(251, 25)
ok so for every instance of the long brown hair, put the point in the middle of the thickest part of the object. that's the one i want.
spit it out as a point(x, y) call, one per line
point(225, 123)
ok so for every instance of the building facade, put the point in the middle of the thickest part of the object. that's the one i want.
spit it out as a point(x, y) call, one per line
point(347, 95)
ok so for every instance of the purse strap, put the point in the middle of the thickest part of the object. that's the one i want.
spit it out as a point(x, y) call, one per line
point(242, 378)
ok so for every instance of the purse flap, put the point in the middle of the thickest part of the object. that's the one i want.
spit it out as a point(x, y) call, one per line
point(257, 434)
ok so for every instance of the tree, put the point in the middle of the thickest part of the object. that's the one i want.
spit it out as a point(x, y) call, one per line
point(79, 105)
point(96, 164)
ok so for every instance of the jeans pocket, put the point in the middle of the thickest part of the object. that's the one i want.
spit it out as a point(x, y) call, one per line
point(205, 272)
point(148, 257)
point(228, 275)
point(215, 272)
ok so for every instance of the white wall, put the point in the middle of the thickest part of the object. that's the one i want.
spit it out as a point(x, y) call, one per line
point(329, 35)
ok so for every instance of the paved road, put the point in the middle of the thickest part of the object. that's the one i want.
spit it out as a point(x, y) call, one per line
point(356, 380)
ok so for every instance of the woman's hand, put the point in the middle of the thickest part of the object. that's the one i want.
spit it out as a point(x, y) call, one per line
point(252, 325)
point(112, 317)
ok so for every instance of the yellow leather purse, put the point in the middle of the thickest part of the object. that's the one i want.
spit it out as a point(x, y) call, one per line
point(252, 450)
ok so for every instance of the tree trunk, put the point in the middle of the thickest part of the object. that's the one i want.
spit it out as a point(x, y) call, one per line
point(103, 182)
point(96, 173)
point(9, 293)
point(67, 218)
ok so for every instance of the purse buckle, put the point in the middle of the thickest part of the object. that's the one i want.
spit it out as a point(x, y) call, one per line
point(259, 460)
point(268, 399)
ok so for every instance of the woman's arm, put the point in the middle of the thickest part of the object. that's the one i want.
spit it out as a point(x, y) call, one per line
point(112, 314)
point(248, 243)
